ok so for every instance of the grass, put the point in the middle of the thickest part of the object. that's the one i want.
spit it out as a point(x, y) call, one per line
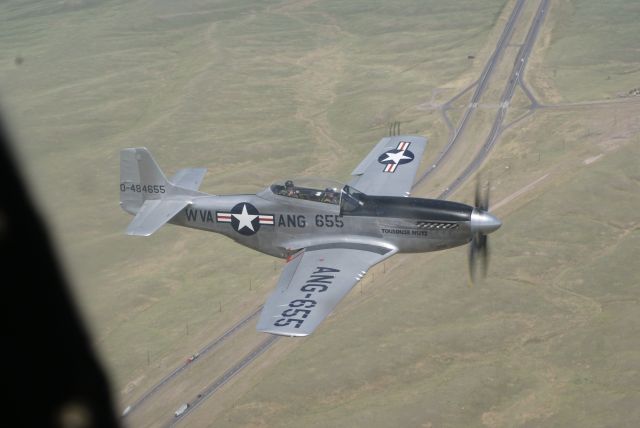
point(551, 327)
point(591, 52)
point(253, 91)
point(257, 91)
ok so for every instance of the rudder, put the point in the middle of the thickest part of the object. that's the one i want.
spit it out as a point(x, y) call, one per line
point(141, 179)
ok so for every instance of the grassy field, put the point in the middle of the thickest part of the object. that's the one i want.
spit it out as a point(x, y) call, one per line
point(257, 91)
point(591, 53)
point(547, 340)
point(253, 91)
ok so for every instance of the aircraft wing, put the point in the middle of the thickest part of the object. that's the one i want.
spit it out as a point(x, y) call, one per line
point(313, 282)
point(390, 168)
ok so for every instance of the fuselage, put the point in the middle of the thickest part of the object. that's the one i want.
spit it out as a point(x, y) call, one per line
point(280, 225)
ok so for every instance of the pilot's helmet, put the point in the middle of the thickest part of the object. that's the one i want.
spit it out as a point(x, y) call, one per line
point(288, 184)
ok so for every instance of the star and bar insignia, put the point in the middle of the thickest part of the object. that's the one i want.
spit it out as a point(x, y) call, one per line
point(398, 156)
point(245, 218)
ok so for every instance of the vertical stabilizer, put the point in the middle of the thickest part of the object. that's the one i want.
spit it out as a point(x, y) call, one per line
point(141, 179)
point(146, 192)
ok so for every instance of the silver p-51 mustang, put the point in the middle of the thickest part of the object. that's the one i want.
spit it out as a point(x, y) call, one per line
point(330, 233)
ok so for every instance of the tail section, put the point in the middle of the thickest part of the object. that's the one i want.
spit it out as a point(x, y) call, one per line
point(141, 179)
point(189, 178)
point(146, 192)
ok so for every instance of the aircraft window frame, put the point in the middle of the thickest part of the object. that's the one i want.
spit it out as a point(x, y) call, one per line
point(350, 199)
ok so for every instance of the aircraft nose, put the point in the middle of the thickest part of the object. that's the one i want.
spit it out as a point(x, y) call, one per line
point(484, 222)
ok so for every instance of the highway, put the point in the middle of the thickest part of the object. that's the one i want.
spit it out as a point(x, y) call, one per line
point(210, 346)
point(226, 377)
point(480, 86)
point(514, 78)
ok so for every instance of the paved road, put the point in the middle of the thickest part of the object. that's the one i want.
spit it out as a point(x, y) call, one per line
point(502, 44)
point(226, 377)
point(514, 79)
point(480, 86)
point(211, 345)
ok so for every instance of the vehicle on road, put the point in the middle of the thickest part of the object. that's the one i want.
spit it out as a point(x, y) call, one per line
point(180, 410)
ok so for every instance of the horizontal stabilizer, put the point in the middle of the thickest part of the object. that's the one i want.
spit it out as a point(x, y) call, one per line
point(153, 214)
point(189, 178)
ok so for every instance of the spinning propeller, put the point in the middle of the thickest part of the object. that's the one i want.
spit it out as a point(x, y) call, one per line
point(482, 224)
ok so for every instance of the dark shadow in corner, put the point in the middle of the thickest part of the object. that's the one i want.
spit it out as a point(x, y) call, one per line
point(54, 378)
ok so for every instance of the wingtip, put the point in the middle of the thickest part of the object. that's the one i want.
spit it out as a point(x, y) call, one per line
point(282, 333)
point(134, 233)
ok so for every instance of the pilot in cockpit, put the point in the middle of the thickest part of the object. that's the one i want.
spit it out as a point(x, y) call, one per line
point(289, 189)
point(329, 196)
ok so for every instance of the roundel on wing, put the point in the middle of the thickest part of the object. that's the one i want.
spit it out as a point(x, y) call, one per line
point(396, 157)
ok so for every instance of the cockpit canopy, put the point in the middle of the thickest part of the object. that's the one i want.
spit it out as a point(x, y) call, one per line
point(309, 189)
point(318, 190)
